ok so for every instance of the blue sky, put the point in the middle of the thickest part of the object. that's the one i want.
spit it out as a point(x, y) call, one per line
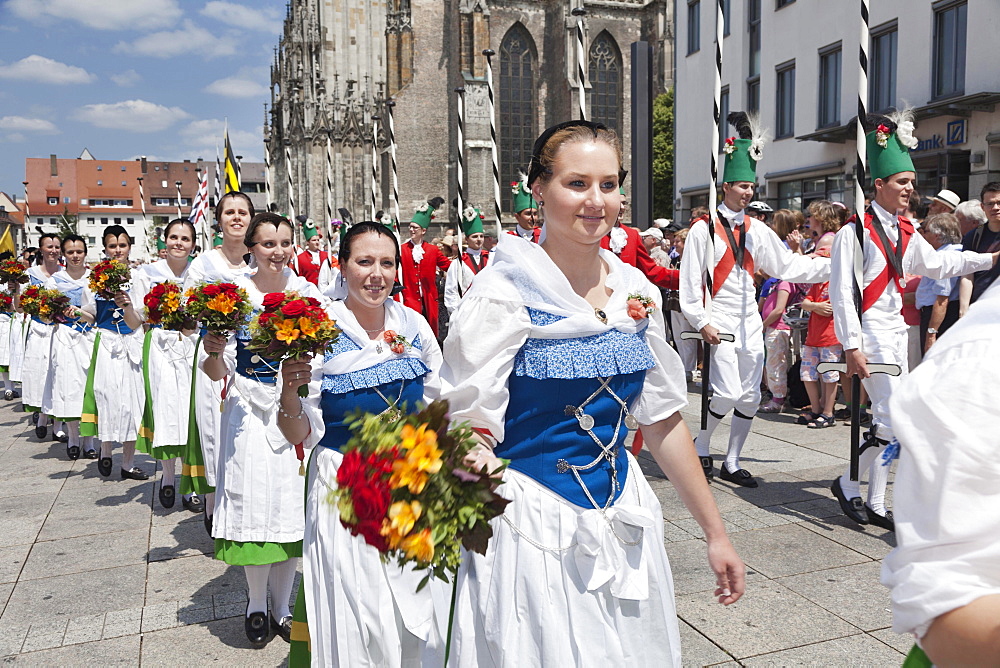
point(126, 78)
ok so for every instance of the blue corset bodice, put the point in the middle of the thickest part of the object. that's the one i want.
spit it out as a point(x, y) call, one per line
point(109, 317)
point(337, 405)
point(251, 365)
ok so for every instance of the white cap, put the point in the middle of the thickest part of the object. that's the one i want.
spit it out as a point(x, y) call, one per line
point(652, 232)
point(948, 198)
point(661, 222)
point(762, 207)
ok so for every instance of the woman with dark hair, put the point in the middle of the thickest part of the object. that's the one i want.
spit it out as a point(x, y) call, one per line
point(258, 517)
point(222, 263)
point(580, 547)
point(166, 366)
point(36, 380)
point(361, 612)
point(72, 347)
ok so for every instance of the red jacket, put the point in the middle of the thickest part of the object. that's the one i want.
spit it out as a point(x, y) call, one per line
point(535, 232)
point(420, 281)
point(635, 254)
point(309, 270)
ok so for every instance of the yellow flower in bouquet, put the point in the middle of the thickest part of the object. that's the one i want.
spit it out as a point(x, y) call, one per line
point(422, 457)
point(403, 516)
point(419, 546)
point(222, 303)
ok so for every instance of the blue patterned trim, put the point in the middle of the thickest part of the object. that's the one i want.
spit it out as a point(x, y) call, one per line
point(392, 370)
point(608, 354)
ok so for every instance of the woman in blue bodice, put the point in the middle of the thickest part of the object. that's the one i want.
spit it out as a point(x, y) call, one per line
point(360, 611)
point(556, 353)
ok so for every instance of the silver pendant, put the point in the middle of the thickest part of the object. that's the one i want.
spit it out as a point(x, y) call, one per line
point(255, 359)
point(562, 466)
point(586, 421)
point(631, 423)
point(117, 313)
point(378, 348)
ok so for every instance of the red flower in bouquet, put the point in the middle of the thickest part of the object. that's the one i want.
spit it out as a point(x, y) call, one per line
point(397, 342)
point(220, 307)
point(6, 303)
point(53, 306)
point(13, 271)
point(164, 307)
point(31, 299)
point(109, 277)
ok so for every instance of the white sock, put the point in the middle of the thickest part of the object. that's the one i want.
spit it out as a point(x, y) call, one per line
point(739, 429)
point(852, 489)
point(257, 586)
point(210, 503)
point(280, 580)
point(88, 441)
point(128, 455)
point(58, 426)
point(43, 420)
point(878, 479)
point(73, 432)
point(703, 444)
point(106, 448)
point(7, 384)
point(169, 472)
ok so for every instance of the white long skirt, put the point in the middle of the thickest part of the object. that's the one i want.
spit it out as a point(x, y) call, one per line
point(18, 330)
point(5, 320)
point(71, 353)
point(557, 588)
point(259, 495)
point(118, 388)
point(207, 398)
point(37, 378)
point(171, 355)
point(361, 612)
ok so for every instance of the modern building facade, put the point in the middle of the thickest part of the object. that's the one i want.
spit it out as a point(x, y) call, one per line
point(796, 63)
point(339, 62)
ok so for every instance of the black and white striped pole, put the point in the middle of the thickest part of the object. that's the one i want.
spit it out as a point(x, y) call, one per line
point(329, 191)
point(489, 53)
point(389, 107)
point(374, 189)
point(581, 62)
point(291, 182)
point(460, 166)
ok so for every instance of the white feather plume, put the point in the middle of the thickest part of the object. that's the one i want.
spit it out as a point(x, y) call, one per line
point(905, 126)
point(759, 136)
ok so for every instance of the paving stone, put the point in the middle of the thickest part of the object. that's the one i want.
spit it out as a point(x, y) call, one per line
point(870, 541)
point(769, 618)
point(70, 595)
point(21, 483)
point(83, 629)
point(222, 642)
point(22, 516)
point(901, 642)
point(855, 651)
point(36, 642)
point(697, 650)
point(83, 553)
point(791, 549)
point(182, 539)
point(122, 623)
point(158, 622)
point(117, 652)
point(196, 616)
point(5, 590)
point(230, 610)
point(11, 561)
point(853, 593)
point(96, 508)
point(187, 577)
point(11, 640)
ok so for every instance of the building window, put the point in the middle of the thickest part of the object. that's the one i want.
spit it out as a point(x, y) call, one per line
point(100, 183)
point(104, 221)
point(118, 221)
point(726, 7)
point(91, 240)
point(605, 73)
point(129, 221)
point(797, 195)
point(753, 38)
point(66, 200)
point(723, 113)
point(785, 101)
point(517, 105)
point(53, 201)
point(123, 168)
point(91, 221)
point(829, 87)
point(52, 221)
point(882, 85)
point(694, 26)
point(100, 168)
point(949, 50)
point(161, 201)
point(753, 94)
point(784, 3)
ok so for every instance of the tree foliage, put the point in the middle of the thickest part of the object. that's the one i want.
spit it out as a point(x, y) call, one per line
point(663, 155)
point(68, 223)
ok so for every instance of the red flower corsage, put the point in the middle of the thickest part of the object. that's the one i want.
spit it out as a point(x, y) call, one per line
point(639, 306)
point(397, 342)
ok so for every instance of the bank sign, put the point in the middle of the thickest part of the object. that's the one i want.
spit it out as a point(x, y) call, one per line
point(954, 136)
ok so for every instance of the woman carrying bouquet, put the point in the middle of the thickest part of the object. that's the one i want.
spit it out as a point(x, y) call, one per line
point(168, 354)
point(114, 395)
point(555, 353)
point(36, 380)
point(360, 611)
point(224, 263)
point(72, 347)
point(258, 520)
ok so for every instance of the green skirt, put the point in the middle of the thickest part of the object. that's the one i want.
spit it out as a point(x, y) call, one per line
point(144, 441)
point(236, 553)
point(193, 479)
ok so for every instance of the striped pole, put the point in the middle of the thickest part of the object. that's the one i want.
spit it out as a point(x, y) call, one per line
point(859, 228)
point(581, 62)
point(267, 175)
point(375, 120)
point(291, 187)
point(177, 184)
point(142, 202)
point(27, 216)
point(329, 190)
point(389, 106)
point(460, 166)
point(489, 53)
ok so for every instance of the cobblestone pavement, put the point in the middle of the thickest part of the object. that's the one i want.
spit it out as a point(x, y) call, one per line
point(93, 571)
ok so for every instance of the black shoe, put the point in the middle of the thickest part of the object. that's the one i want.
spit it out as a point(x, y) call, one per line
point(73, 452)
point(41, 432)
point(885, 521)
point(61, 436)
point(90, 454)
point(707, 464)
point(852, 507)
point(194, 504)
point(282, 628)
point(104, 466)
point(34, 419)
point(256, 629)
point(740, 476)
point(8, 394)
point(135, 474)
point(208, 524)
point(167, 496)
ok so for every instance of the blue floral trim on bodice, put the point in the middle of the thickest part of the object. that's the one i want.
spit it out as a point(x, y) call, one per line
point(394, 369)
point(611, 353)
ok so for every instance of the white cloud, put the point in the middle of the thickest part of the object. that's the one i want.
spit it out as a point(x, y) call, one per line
point(191, 39)
point(22, 124)
point(207, 133)
point(15, 137)
point(131, 116)
point(239, 16)
point(239, 86)
point(127, 78)
point(40, 69)
point(101, 14)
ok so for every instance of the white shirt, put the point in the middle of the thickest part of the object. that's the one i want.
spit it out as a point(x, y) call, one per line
point(737, 294)
point(458, 280)
point(885, 314)
point(946, 498)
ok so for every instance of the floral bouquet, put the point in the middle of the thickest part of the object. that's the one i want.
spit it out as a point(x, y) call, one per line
point(163, 307)
point(403, 486)
point(13, 271)
point(109, 277)
point(53, 306)
point(220, 307)
point(290, 327)
point(6, 303)
point(31, 300)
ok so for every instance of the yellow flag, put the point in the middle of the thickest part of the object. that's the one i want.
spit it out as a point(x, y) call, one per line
point(7, 243)
point(232, 168)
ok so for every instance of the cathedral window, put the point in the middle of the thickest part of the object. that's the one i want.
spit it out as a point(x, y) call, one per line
point(605, 74)
point(517, 106)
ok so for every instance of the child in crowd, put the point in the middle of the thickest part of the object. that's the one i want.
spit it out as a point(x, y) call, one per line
point(777, 343)
point(821, 345)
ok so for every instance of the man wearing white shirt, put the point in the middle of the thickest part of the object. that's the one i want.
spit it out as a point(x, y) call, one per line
point(891, 249)
point(472, 260)
point(741, 246)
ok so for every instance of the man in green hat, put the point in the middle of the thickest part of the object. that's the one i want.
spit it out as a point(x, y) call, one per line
point(470, 262)
point(739, 246)
point(420, 263)
point(525, 211)
point(217, 238)
point(161, 248)
point(313, 264)
point(890, 251)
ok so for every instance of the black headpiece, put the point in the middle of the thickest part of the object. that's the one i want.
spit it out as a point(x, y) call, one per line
point(535, 168)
